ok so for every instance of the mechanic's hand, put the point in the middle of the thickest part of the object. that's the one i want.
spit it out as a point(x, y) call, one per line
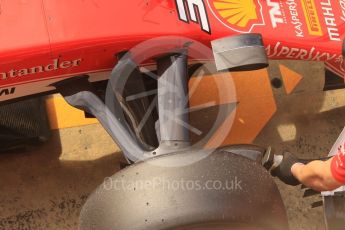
point(283, 171)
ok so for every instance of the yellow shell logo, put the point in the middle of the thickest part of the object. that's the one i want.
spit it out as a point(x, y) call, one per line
point(239, 15)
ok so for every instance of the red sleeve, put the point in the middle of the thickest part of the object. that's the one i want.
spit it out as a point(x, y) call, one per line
point(338, 165)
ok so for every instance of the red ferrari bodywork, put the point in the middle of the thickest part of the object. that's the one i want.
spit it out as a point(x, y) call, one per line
point(43, 41)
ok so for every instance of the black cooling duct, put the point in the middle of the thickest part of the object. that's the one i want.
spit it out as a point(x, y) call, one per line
point(23, 123)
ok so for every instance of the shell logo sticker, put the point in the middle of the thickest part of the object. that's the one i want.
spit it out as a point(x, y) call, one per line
point(238, 15)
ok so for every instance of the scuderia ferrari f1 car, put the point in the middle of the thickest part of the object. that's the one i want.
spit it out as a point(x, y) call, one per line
point(145, 51)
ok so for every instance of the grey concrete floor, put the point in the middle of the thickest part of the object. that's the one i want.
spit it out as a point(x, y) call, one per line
point(307, 123)
point(46, 187)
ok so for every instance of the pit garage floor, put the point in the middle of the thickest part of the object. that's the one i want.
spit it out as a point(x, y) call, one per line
point(45, 187)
